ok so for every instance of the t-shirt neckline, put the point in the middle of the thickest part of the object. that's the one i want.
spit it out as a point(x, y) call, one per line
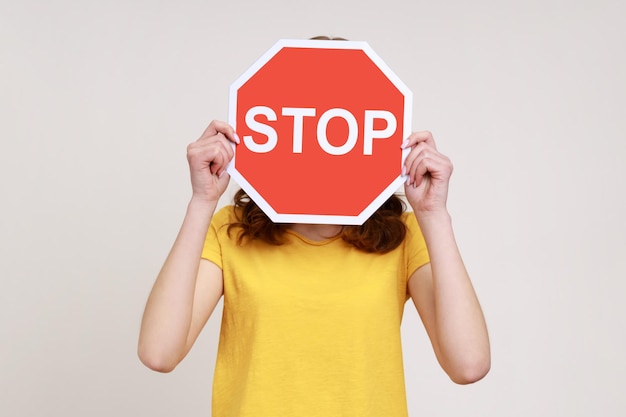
point(311, 242)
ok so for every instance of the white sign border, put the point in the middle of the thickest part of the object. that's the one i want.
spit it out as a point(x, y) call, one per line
point(319, 218)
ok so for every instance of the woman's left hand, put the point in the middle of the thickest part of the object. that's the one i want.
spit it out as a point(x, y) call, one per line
point(427, 174)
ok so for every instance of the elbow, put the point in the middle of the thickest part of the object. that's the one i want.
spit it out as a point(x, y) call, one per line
point(155, 360)
point(471, 372)
point(158, 366)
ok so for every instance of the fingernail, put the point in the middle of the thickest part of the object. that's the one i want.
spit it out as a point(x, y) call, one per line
point(237, 141)
point(404, 143)
point(403, 170)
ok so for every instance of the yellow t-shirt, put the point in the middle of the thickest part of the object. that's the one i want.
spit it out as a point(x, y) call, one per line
point(310, 328)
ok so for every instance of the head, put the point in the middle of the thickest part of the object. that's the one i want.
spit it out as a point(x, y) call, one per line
point(327, 38)
point(382, 232)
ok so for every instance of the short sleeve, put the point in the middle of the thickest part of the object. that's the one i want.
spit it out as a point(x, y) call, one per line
point(415, 248)
point(212, 249)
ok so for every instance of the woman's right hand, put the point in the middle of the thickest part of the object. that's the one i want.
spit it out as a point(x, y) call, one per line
point(208, 158)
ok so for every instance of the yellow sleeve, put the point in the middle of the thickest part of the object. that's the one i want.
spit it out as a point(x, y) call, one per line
point(415, 245)
point(212, 250)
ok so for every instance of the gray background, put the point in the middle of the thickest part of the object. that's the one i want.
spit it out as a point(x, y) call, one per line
point(98, 101)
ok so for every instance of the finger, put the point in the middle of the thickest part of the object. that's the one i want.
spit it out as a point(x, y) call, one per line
point(215, 153)
point(422, 169)
point(415, 153)
point(218, 140)
point(218, 126)
point(417, 170)
point(427, 161)
point(224, 143)
point(221, 153)
point(415, 138)
point(222, 163)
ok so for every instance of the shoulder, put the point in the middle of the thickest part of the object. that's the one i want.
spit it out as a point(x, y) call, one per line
point(217, 236)
point(224, 216)
point(414, 237)
point(222, 220)
point(409, 220)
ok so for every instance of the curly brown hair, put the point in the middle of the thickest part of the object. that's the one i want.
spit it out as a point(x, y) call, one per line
point(382, 232)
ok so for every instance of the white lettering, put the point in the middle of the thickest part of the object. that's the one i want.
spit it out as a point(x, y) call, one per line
point(353, 131)
point(370, 134)
point(253, 124)
point(298, 113)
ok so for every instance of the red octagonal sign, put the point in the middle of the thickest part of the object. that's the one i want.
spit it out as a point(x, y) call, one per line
point(321, 123)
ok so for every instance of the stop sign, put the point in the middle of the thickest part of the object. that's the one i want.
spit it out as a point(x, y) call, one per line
point(321, 123)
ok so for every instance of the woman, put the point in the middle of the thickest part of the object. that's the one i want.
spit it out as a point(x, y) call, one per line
point(311, 322)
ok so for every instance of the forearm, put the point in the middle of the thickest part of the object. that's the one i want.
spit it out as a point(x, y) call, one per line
point(461, 332)
point(168, 313)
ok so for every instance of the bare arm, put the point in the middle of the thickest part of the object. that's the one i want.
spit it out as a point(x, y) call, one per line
point(187, 287)
point(448, 306)
point(442, 290)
